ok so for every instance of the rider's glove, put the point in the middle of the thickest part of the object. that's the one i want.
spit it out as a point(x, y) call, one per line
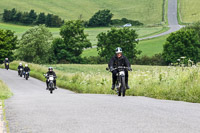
point(112, 69)
point(129, 69)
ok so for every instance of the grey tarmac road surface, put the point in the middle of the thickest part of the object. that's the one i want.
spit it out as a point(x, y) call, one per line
point(33, 109)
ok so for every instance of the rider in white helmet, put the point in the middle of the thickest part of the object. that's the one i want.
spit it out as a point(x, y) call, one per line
point(20, 66)
point(118, 60)
point(6, 61)
point(26, 69)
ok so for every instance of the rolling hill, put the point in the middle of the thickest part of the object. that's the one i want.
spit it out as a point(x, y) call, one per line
point(146, 11)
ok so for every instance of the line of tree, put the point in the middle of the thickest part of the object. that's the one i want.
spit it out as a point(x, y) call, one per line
point(32, 18)
point(38, 46)
point(103, 18)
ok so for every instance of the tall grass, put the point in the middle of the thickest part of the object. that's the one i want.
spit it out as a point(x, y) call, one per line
point(4, 91)
point(172, 83)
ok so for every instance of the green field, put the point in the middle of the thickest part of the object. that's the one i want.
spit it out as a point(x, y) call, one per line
point(92, 32)
point(148, 47)
point(189, 11)
point(146, 11)
point(162, 82)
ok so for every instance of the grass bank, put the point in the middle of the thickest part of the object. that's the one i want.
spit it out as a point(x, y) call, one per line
point(171, 83)
point(4, 91)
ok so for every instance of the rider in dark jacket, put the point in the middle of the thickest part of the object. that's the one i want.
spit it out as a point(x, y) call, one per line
point(51, 72)
point(6, 61)
point(26, 69)
point(20, 66)
point(119, 60)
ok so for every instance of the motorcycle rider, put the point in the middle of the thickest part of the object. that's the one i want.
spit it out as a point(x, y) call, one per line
point(20, 66)
point(51, 72)
point(6, 61)
point(26, 69)
point(119, 60)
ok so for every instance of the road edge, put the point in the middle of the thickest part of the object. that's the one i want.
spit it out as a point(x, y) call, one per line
point(2, 122)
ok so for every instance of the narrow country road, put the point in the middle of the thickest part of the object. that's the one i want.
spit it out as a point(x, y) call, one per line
point(172, 20)
point(33, 109)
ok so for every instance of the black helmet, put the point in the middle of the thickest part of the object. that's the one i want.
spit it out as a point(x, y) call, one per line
point(50, 69)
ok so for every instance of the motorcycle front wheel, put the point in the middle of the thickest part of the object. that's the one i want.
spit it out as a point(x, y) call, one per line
point(123, 89)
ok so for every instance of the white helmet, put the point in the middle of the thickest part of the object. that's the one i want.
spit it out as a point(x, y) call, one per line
point(118, 50)
point(26, 65)
point(20, 64)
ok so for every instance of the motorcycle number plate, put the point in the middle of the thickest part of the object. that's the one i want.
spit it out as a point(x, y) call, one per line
point(50, 78)
point(121, 73)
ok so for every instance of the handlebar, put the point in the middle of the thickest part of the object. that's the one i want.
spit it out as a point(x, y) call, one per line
point(119, 67)
point(49, 76)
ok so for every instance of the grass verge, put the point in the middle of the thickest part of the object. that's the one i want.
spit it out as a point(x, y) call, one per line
point(4, 91)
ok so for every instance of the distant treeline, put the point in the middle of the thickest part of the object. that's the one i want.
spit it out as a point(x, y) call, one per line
point(32, 18)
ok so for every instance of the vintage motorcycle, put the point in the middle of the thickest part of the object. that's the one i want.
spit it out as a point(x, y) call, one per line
point(120, 83)
point(7, 65)
point(21, 72)
point(26, 75)
point(51, 85)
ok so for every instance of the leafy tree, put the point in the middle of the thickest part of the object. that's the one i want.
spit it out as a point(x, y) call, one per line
point(35, 45)
point(41, 18)
point(18, 17)
point(13, 13)
point(101, 18)
point(73, 41)
point(48, 21)
point(56, 21)
point(195, 27)
point(25, 18)
point(8, 43)
point(124, 38)
point(32, 16)
point(7, 15)
point(183, 43)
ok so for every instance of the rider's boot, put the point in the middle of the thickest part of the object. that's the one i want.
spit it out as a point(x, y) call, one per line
point(55, 86)
point(113, 86)
point(126, 82)
point(127, 87)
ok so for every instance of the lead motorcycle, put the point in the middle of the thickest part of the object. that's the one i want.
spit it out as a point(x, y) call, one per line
point(51, 85)
point(120, 83)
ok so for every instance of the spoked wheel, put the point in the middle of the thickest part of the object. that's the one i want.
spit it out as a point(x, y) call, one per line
point(119, 91)
point(123, 89)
